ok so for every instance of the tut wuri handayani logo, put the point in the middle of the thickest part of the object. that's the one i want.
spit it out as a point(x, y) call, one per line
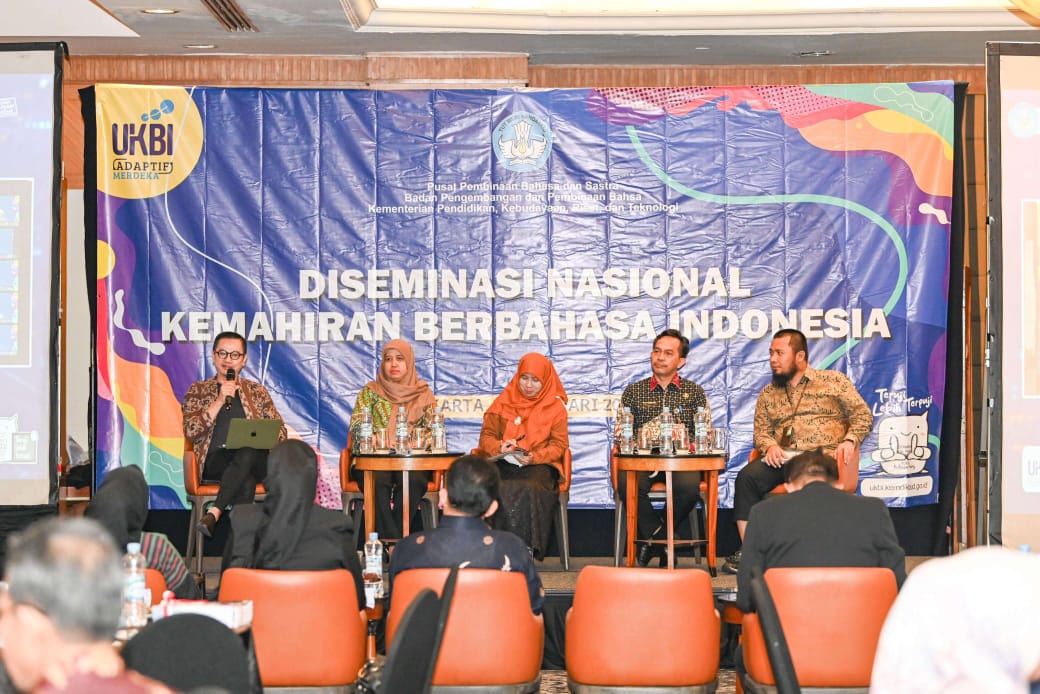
point(522, 142)
point(154, 138)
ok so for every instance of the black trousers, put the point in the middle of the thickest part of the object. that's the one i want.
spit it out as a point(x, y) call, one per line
point(754, 482)
point(389, 498)
point(238, 470)
point(685, 495)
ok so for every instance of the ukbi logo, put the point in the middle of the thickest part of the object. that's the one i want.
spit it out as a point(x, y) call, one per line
point(1031, 468)
point(155, 139)
point(149, 138)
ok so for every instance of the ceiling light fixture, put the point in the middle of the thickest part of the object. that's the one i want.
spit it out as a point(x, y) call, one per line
point(160, 10)
point(200, 45)
point(814, 54)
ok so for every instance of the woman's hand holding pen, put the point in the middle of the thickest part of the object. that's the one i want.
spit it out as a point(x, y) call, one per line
point(511, 444)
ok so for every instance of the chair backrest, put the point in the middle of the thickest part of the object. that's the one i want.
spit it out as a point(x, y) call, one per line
point(307, 626)
point(345, 483)
point(192, 474)
point(565, 479)
point(411, 659)
point(186, 651)
point(777, 651)
point(642, 628)
point(831, 618)
point(155, 582)
point(491, 636)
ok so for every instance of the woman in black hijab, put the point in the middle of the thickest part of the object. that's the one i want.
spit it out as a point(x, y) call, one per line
point(288, 531)
point(121, 505)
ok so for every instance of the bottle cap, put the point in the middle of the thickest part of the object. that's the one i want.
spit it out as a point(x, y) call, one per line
point(133, 548)
point(373, 535)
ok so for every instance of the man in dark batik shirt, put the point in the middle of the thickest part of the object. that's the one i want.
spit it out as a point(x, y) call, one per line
point(647, 399)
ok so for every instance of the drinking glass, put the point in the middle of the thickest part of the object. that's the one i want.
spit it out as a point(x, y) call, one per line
point(379, 440)
point(718, 439)
point(417, 439)
point(647, 440)
point(680, 439)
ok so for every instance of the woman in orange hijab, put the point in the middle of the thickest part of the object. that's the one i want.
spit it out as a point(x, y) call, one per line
point(529, 420)
point(396, 385)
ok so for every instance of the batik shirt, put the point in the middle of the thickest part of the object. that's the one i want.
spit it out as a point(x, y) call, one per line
point(824, 409)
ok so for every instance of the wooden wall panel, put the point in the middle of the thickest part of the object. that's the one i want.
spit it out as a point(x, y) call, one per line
point(560, 76)
point(464, 70)
point(220, 71)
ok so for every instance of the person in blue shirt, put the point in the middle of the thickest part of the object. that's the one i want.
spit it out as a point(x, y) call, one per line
point(469, 495)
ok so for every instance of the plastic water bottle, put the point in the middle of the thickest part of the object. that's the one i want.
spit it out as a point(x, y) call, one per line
point(401, 430)
point(373, 573)
point(666, 431)
point(437, 434)
point(627, 422)
point(136, 604)
point(365, 432)
point(701, 444)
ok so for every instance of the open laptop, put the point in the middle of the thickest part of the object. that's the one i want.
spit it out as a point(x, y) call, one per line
point(253, 433)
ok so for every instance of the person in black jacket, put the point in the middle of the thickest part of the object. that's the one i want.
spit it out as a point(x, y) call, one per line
point(288, 531)
point(817, 524)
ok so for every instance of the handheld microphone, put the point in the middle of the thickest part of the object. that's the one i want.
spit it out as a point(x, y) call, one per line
point(227, 398)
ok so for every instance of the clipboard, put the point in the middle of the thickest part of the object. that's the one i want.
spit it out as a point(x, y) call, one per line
point(261, 434)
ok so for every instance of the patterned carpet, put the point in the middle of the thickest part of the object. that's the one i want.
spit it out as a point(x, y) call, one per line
point(555, 682)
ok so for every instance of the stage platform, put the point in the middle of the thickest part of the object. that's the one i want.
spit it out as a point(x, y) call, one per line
point(557, 581)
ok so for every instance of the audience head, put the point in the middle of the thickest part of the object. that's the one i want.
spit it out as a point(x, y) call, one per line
point(292, 481)
point(471, 487)
point(121, 504)
point(810, 466)
point(947, 633)
point(788, 355)
point(64, 585)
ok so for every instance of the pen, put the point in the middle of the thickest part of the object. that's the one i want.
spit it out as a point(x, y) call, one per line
point(520, 438)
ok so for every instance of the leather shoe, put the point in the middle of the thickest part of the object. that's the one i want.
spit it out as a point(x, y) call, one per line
point(647, 551)
point(732, 565)
point(206, 524)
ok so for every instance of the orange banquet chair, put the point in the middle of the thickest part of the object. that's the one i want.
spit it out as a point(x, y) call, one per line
point(198, 495)
point(156, 583)
point(831, 618)
point(492, 642)
point(633, 629)
point(563, 537)
point(308, 630)
point(353, 496)
point(657, 494)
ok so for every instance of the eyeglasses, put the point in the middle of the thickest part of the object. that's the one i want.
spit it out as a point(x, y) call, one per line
point(233, 356)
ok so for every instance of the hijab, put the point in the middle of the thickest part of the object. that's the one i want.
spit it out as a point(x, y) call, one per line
point(412, 392)
point(948, 631)
point(121, 504)
point(292, 479)
point(532, 417)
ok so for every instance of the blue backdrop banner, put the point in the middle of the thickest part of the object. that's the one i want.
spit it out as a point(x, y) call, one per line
point(481, 225)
